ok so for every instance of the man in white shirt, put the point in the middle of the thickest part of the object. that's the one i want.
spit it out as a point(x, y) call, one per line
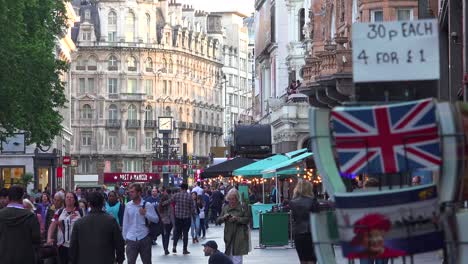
point(134, 229)
point(198, 189)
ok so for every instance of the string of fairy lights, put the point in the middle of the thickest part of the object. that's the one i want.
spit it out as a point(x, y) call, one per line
point(305, 174)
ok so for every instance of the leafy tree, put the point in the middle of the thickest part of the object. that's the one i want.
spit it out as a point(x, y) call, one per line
point(31, 90)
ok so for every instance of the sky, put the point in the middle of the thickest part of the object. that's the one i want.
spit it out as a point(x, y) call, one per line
point(244, 6)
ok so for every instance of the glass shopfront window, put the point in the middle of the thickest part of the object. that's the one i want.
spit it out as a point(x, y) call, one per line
point(43, 178)
point(11, 175)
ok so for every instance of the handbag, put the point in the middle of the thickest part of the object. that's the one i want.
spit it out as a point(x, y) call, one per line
point(155, 229)
point(47, 251)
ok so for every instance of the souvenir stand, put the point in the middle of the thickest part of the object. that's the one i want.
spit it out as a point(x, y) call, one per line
point(386, 143)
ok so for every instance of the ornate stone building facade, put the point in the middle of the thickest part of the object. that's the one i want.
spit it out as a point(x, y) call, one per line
point(328, 70)
point(137, 61)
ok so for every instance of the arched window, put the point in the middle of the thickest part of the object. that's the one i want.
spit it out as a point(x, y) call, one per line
point(149, 64)
point(171, 66)
point(301, 24)
point(181, 113)
point(148, 113)
point(113, 112)
point(212, 120)
point(86, 112)
point(194, 116)
point(217, 120)
point(131, 64)
point(92, 63)
point(130, 27)
point(80, 64)
point(112, 27)
point(333, 24)
point(112, 63)
point(164, 65)
point(148, 28)
point(168, 111)
point(132, 112)
point(200, 117)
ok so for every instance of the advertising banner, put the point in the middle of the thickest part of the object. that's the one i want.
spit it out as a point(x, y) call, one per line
point(389, 225)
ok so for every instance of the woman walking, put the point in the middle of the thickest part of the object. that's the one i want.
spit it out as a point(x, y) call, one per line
point(302, 204)
point(166, 214)
point(64, 219)
point(115, 208)
point(195, 228)
point(201, 207)
point(236, 220)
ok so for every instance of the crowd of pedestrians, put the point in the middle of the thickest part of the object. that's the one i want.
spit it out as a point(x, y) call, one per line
point(103, 226)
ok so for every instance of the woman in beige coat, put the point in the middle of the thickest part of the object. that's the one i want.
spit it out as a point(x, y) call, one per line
point(236, 219)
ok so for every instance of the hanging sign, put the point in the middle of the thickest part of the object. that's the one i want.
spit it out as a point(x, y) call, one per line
point(396, 51)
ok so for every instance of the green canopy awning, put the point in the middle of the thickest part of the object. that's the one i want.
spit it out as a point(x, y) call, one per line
point(285, 167)
point(296, 152)
point(255, 169)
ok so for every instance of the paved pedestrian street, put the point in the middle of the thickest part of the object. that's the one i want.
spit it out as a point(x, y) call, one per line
point(265, 256)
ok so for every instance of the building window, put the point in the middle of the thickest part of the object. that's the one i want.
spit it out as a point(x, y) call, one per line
point(131, 86)
point(355, 12)
point(149, 65)
point(376, 15)
point(112, 64)
point(148, 28)
point(86, 35)
point(133, 166)
point(85, 165)
point(11, 175)
point(148, 113)
point(112, 86)
point(87, 15)
point(149, 87)
point(404, 14)
point(113, 112)
point(130, 27)
point(86, 138)
point(132, 141)
point(90, 85)
point(82, 85)
point(86, 112)
point(131, 64)
point(149, 141)
point(171, 66)
point(132, 112)
point(301, 24)
point(112, 27)
point(112, 141)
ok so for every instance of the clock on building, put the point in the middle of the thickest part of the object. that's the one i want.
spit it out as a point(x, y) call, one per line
point(165, 124)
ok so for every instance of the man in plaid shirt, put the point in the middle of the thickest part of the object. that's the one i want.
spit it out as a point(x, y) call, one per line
point(184, 209)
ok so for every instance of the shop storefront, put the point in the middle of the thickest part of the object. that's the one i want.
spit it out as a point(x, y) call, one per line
point(11, 174)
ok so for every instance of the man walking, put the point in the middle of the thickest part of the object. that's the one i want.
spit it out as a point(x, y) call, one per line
point(216, 202)
point(97, 238)
point(154, 201)
point(3, 198)
point(216, 257)
point(135, 230)
point(20, 233)
point(183, 212)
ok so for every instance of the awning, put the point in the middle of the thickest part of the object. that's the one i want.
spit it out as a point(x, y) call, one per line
point(296, 152)
point(226, 168)
point(255, 169)
point(284, 168)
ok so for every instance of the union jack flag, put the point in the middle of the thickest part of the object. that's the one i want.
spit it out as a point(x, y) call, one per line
point(386, 139)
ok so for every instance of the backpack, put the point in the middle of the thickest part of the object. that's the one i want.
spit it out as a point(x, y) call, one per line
point(155, 229)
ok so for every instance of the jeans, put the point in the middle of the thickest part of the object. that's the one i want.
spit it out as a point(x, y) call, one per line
point(195, 226)
point(202, 228)
point(142, 247)
point(373, 261)
point(63, 255)
point(215, 212)
point(182, 228)
point(166, 235)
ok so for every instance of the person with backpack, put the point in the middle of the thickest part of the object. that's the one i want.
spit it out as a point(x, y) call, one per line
point(302, 204)
point(64, 219)
point(138, 217)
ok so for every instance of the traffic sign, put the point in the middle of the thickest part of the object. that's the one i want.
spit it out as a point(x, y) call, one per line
point(396, 51)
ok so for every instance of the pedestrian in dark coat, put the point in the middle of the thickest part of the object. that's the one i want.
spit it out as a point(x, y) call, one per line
point(96, 238)
point(20, 234)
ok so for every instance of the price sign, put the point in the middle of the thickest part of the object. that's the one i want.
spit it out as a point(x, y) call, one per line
point(396, 51)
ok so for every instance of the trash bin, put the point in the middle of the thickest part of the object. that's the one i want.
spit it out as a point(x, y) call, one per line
point(256, 210)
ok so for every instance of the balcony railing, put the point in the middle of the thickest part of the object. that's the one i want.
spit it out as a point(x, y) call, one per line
point(219, 130)
point(198, 127)
point(112, 68)
point(191, 126)
point(133, 123)
point(150, 123)
point(113, 123)
point(133, 96)
point(182, 125)
point(113, 96)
